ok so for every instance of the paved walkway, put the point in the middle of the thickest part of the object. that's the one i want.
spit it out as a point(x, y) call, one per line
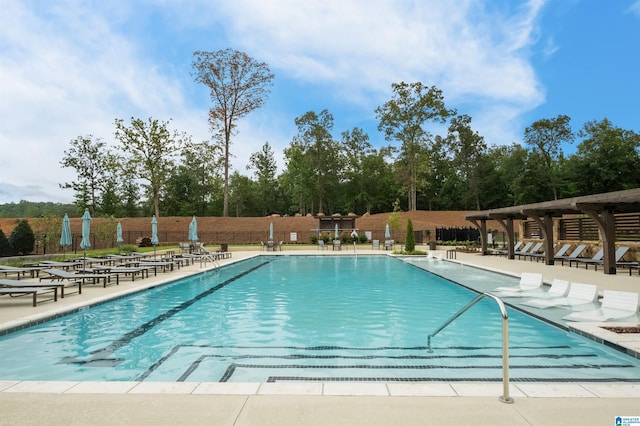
point(144, 403)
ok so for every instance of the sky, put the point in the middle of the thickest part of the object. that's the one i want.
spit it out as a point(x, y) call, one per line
point(70, 68)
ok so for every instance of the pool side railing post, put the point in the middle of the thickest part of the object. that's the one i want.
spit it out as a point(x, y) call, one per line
point(505, 340)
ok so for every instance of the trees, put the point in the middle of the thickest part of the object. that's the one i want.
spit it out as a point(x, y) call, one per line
point(151, 150)
point(547, 136)
point(22, 239)
point(402, 118)
point(323, 153)
point(92, 162)
point(238, 84)
point(608, 159)
point(469, 152)
point(264, 163)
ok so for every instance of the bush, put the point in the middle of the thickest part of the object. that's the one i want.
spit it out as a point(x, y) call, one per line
point(314, 239)
point(5, 247)
point(363, 239)
point(410, 239)
point(22, 238)
point(128, 248)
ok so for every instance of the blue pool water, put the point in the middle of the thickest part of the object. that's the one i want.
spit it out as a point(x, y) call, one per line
point(275, 318)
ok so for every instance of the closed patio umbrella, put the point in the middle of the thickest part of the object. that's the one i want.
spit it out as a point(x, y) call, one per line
point(271, 231)
point(65, 236)
point(85, 243)
point(193, 230)
point(336, 233)
point(387, 233)
point(154, 234)
point(119, 238)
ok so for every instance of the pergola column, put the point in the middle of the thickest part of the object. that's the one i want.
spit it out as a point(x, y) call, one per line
point(508, 227)
point(482, 226)
point(546, 227)
point(606, 222)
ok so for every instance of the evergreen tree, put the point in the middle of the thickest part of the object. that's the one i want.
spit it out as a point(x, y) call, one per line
point(5, 247)
point(22, 238)
point(410, 238)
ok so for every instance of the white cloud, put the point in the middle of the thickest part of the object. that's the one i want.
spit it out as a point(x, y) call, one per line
point(70, 69)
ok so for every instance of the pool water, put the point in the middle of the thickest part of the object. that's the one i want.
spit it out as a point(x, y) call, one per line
point(284, 318)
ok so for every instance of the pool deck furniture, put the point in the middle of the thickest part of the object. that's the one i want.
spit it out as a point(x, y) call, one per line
point(528, 281)
point(574, 254)
point(33, 291)
point(388, 244)
point(531, 251)
point(598, 258)
point(62, 275)
point(615, 305)
point(20, 271)
point(559, 288)
point(337, 245)
point(34, 284)
point(579, 294)
point(126, 271)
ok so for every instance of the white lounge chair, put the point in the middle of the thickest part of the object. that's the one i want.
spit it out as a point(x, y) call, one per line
point(579, 294)
point(528, 281)
point(615, 305)
point(559, 288)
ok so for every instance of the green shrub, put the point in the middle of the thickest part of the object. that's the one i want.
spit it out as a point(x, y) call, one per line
point(128, 248)
point(410, 239)
point(5, 247)
point(314, 239)
point(22, 238)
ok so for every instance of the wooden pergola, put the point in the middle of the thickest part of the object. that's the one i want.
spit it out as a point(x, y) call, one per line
point(599, 207)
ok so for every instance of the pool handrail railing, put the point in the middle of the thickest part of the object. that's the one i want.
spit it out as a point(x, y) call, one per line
point(505, 339)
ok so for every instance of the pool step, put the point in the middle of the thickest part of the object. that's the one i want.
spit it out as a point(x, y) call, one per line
point(251, 364)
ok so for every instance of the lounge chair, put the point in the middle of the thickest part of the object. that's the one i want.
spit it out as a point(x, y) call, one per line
point(574, 254)
point(528, 281)
point(531, 251)
point(32, 270)
point(596, 258)
point(615, 305)
point(61, 275)
point(524, 249)
point(559, 288)
point(563, 250)
point(620, 252)
point(321, 245)
point(33, 284)
point(124, 270)
point(34, 291)
point(579, 294)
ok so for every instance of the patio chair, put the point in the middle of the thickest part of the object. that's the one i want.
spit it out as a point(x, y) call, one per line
point(531, 251)
point(388, 244)
point(337, 245)
point(596, 258)
point(615, 305)
point(34, 291)
point(321, 245)
point(524, 249)
point(579, 294)
point(620, 252)
point(62, 275)
point(559, 288)
point(20, 272)
point(32, 284)
point(574, 254)
point(375, 244)
point(528, 281)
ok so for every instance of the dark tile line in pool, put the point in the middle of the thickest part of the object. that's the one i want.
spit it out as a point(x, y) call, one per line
point(274, 379)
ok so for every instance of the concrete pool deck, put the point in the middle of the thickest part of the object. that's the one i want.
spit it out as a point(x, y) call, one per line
point(334, 403)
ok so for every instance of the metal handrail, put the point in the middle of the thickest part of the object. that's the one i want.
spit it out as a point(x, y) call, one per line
point(505, 339)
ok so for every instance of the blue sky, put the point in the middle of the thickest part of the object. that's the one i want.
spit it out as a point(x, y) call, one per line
point(69, 68)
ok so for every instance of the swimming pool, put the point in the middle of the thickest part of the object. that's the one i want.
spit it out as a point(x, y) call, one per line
point(285, 318)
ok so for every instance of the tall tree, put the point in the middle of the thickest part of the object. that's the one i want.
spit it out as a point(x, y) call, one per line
point(297, 179)
point(92, 161)
point(151, 150)
point(403, 118)
point(238, 84)
point(607, 159)
point(314, 135)
point(468, 150)
point(547, 135)
point(264, 163)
